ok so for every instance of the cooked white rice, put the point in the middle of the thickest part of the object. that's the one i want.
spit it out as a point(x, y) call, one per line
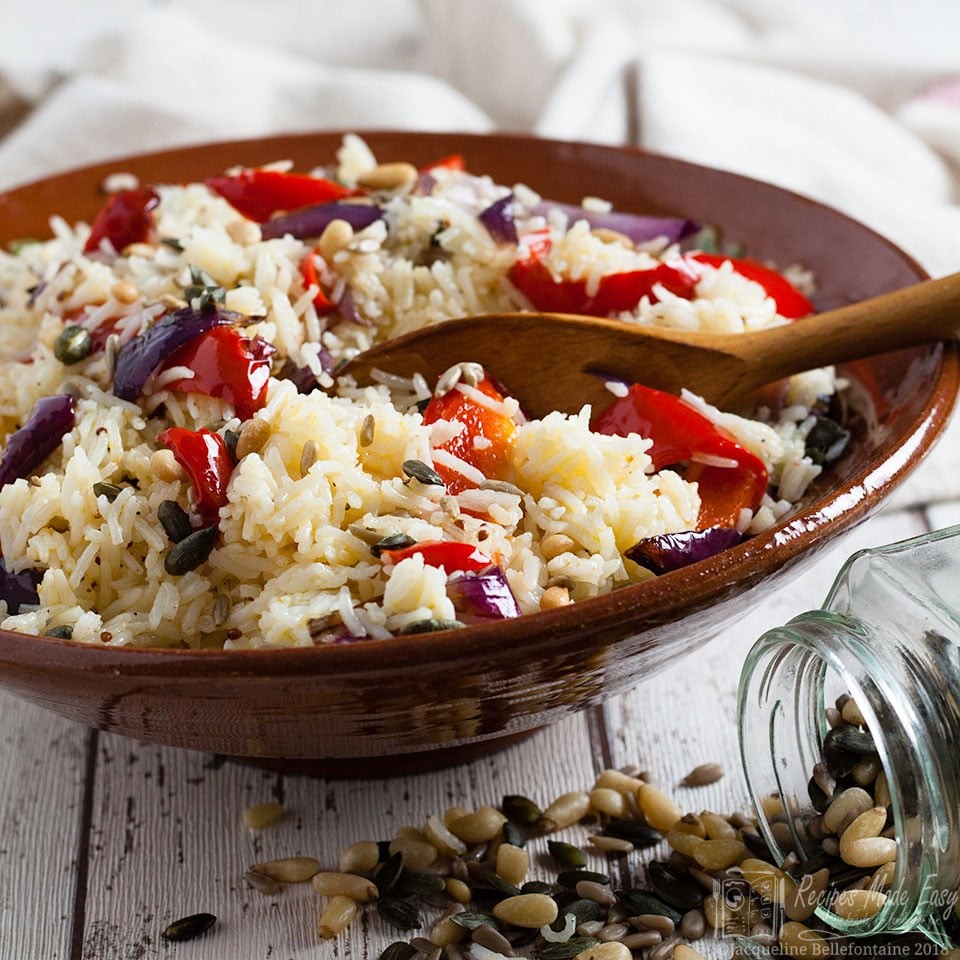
point(294, 548)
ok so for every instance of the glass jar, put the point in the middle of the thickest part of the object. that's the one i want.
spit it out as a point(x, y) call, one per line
point(889, 636)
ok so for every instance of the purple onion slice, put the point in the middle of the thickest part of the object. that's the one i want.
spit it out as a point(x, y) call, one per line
point(18, 589)
point(50, 420)
point(671, 551)
point(312, 221)
point(498, 218)
point(482, 596)
point(640, 228)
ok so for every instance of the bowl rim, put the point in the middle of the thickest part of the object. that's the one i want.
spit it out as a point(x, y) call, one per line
point(706, 581)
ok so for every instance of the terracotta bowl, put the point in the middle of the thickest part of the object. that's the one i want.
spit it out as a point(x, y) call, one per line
point(421, 701)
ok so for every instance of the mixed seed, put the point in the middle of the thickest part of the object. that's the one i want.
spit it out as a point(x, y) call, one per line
point(464, 877)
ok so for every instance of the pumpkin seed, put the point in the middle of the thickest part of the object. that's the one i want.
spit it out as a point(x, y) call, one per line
point(398, 950)
point(109, 490)
point(637, 902)
point(388, 873)
point(536, 886)
point(232, 437)
point(584, 911)
point(204, 290)
point(520, 810)
point(639, 834)
point(422, 473)
point(63, 632)
point(174, 520)
point(513, 835)
point(490, 879)
point(395, 541)
point(677, 889)
point(419, 885)
point(564, 951)
point(73, 345)
point(473, 919)
point(570, 878)
point(399, 913)
point(566, 854)
point(187, 928)
point(187, 554)
point(431, 626)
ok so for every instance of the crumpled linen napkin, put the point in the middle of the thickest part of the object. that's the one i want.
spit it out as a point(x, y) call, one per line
point(773, 92)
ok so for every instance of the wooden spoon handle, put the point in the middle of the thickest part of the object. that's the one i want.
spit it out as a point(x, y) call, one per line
point(858, 330)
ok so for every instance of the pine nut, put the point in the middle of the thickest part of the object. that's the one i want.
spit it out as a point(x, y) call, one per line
point(125, 292)
point(617, 780)
point(771, 806)
point(866, 771)
point(512, 863)
point(554, 597)
point(253, 435)
point(415, 853)
point(454, 813)
point(407, 832)
point(480, 826)
point(719, 854)
point(446, 931)
point(607, 800)
point(883, 878)
point(605, 951)
point(845, 808)
point(881, 790)
point(337, 915)
point(684, 843)
point(528, 910)
point(869, 852)
point(858, 904)
point(796, 940)
point(335, 237)
point(717, 827)
point(388, 176)
point(801, 902)
point(553, 544)
point(767, 881)
point(457, 890)
point(851, 713)
point(360, 857)
point(661, 812)
point(682, 952)
point(164, 466)
point(289, 870)
point(331, 884)
point(869, 824)
point(565, 811)
point(243, 232)
point(692, 824)
point(262, 815)
point(438, 835)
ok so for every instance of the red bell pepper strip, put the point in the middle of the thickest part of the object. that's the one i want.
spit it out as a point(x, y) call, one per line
point(451, 555)
point(125, 218)
point(226, 365)
point(453, 161)
point(204, 456)
point(791, 303)
point(616, 291)
point(679, 434)
point(308, 270)
point(258, 194)
point(491, 458)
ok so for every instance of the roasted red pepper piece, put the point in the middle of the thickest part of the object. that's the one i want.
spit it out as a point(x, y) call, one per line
point(679, 434)
point(308, 270)
point(125, 218)
point(226, 365)
point(451, 555)
point(791, 303)
point(258, 194)
point(453, 161)
point(496, 432)
point(204, 456)
point(616, 291)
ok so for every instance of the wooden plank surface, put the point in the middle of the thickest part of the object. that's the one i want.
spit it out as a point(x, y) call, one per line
point(160, 833)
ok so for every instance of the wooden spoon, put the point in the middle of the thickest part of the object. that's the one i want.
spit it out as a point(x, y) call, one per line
point(551, 361)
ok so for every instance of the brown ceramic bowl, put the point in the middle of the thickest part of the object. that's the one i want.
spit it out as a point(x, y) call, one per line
point(423, 700)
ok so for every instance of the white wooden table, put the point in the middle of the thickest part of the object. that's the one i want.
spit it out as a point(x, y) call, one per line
point(104, 841)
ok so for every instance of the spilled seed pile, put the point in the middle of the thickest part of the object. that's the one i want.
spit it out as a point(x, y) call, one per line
point(513, 880)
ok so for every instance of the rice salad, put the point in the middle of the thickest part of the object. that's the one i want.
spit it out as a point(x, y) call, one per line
point(183, 465)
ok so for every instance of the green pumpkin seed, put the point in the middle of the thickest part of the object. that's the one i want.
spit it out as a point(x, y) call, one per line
point(109, 490)
point(188, 553)
point(187, 928)
point(639, 834)
point(174, 520)
point(638, 902)
point(423, 473)
point(398, 950)
point(536, 886)
point(203, 289)
point(63, 632)
point(570, 878)
point(513, 835)
point(431, 626)
point(520, 810)
point(17, 246)
point(677, 888)
point(566, 854)
point(583, 910)
point(419, 885)
point(490, 879)
point(396, 541)
point(230, 438)
point(388, 873)
point(470, 920)
point(563, 951)
point(73, 345)
point(173, 243)
point(399, 913)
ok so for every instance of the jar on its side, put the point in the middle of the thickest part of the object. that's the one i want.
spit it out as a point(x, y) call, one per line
point(889, 637)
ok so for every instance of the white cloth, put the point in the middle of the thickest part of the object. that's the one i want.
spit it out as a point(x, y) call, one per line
point(855, 104)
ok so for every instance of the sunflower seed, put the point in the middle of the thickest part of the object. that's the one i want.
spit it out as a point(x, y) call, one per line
point(187, 554)
point(111, 350)
point(259, 881)
point(500, 486)
point(368, 430)
point(703, 775)
point(221, 609)
point(308, 458)
point(187, 928)
point(421, 472)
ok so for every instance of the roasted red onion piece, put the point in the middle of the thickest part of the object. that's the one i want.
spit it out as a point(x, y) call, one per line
point(671, 551)
point(50, 419)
